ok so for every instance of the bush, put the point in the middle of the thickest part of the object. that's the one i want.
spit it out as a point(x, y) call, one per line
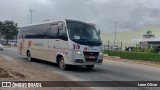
point(140, 50)
point(136, 55)
point(151, 50)
point(146, 50)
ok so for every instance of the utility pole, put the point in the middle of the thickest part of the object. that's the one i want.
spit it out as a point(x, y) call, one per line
point(115, 33)
point(31, 11)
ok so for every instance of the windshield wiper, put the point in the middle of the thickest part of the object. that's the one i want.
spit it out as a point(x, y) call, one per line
point(95, 41)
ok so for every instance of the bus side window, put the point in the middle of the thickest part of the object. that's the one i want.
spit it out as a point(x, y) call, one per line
point(53, 31)
point(46, 34)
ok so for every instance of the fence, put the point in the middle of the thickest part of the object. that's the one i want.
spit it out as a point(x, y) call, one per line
point(131, 51)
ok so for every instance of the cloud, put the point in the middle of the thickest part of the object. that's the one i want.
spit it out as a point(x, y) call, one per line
point(130, 14)
point(43, 1)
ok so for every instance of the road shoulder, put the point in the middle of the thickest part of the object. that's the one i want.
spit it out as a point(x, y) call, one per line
point(15, 70)
point(143, 62)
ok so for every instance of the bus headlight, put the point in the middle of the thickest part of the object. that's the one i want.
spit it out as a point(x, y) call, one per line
point(77, 52)
point(101, 54)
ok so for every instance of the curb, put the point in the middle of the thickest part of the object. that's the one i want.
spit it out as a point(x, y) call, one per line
point(106, 55)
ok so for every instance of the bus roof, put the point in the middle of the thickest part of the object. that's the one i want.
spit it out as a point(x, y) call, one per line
point(50, 21)
point(45, 22)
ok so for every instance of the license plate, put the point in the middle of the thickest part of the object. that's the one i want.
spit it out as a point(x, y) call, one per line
point(91, 57)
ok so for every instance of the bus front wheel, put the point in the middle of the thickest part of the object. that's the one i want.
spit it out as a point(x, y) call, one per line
point(62, 65)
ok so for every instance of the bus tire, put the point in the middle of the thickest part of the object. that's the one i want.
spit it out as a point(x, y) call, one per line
point(61, 63)
point(90, 67)
point(29, 58)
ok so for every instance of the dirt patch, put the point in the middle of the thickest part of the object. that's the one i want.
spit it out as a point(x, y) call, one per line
point(25, 70)
point(17, 70)
point(10, 74)
point(4, 74)
point(17, 74)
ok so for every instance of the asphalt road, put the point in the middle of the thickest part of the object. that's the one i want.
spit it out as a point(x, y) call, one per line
point(108, 71)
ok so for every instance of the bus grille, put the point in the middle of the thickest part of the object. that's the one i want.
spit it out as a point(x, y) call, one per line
point(91, 56)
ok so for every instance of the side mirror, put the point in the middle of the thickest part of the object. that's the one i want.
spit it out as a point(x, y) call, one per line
point(99, 32)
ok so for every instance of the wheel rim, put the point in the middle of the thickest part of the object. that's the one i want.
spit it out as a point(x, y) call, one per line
point(29, 56)
point(61, 64)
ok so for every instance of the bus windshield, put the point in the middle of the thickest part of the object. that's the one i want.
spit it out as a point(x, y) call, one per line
point(83, 33)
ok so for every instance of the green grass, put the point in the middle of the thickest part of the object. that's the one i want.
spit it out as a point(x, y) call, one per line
point(135, 55)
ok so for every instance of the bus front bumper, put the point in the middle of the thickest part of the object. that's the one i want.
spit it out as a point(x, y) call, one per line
point(82, 62)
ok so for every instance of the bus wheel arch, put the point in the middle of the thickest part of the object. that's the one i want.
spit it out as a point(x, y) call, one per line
point(57, 58)
point(60, 62)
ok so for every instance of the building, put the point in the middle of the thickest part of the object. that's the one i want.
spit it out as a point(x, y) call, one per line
point(145, 38)
point(149, 40)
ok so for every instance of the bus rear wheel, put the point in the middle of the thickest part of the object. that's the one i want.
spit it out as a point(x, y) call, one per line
point(29, 58)
point(62, 65)
point(90, 67)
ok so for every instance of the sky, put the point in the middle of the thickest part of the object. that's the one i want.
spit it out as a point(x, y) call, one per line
point(130, 15)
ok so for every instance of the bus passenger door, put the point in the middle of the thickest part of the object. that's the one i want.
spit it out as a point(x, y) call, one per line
point(52, 39)
point(62, 43)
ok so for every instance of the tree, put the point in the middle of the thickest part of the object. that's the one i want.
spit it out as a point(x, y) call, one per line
point(9, 29)
point(1, 24)
point(149, 32)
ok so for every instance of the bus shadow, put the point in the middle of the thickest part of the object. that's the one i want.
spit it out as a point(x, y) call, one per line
point(69, 67)
point(45, 62)
point(79, 69)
